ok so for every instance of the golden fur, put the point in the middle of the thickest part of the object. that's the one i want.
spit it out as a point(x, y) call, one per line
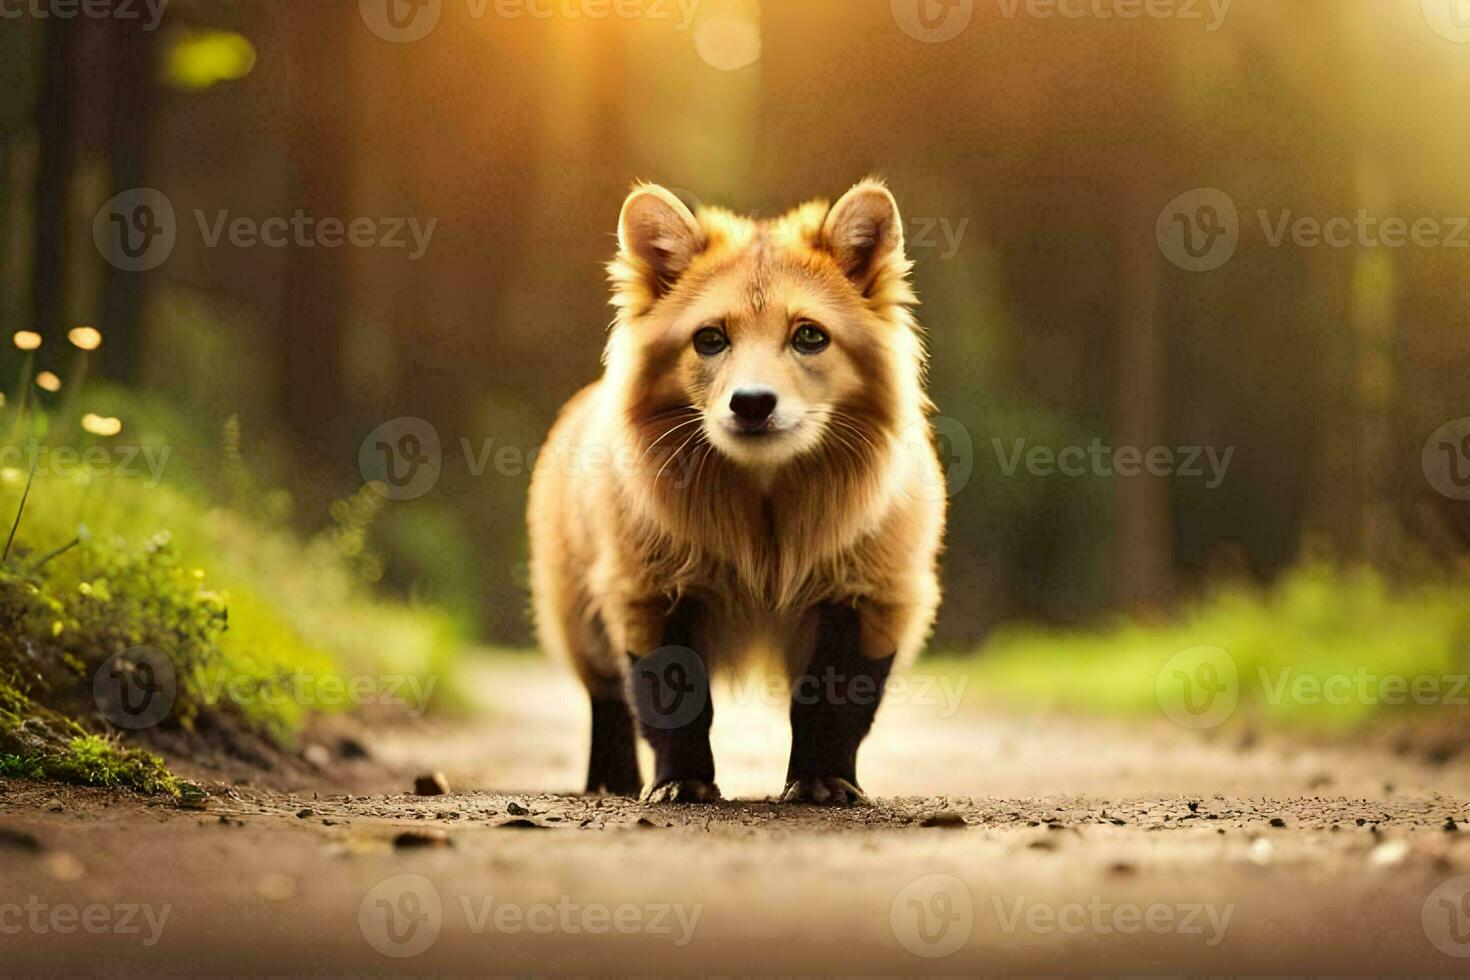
point(641, 497)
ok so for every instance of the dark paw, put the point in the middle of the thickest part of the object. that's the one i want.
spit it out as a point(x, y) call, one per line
point(824, 791)
point(682, 791)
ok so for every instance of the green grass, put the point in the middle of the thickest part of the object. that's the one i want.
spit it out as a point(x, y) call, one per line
point(192, 560)
point(1348, 629)
point(21, 767)
point(37, 742)
point(90, 760)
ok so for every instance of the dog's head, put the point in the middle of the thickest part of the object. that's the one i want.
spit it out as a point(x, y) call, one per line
point(766, 341)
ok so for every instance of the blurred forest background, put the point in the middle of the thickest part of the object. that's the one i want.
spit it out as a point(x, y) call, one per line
point(1032, 156)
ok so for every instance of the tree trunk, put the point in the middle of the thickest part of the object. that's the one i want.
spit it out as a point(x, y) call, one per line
point(53, 177)
point(129, 128)
point(315, 287)
point(1144, 546)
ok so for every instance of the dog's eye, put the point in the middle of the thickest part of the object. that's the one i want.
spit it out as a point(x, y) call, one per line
point(810, 338)
point(709, 341)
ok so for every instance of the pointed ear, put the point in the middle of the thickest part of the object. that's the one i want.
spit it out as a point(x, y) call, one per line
point(864, 233)
point(658, 233)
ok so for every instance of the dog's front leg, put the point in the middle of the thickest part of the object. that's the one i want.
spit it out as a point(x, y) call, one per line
point(833, 703)
point(668, 688)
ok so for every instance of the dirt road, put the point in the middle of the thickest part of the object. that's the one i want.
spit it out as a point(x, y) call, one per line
point(997, 844)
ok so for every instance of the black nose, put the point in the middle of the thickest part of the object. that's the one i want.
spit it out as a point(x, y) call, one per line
point(752, 407)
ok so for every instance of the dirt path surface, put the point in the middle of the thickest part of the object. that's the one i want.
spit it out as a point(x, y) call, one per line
point(996, 844)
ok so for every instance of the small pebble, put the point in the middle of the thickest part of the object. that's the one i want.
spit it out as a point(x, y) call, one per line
point(19, 840)
point(421, 838)
point(275, 887)
point(1389, 853)
point(351, 748)
point(431, 784)
point(64, 866)
point(947, 819)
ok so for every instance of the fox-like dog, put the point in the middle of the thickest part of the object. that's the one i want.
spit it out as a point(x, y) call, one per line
point(755, 473)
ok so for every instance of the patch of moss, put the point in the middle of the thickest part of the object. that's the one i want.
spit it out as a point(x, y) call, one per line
point(91, 760)
point(21, 767)
point(13, 707)
point(38, 743)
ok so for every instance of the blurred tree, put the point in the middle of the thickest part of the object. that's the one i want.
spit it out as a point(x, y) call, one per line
point(1144, 524)
point(125, 80)
point(19, 85)
point(315, 288)
point(54, 119)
